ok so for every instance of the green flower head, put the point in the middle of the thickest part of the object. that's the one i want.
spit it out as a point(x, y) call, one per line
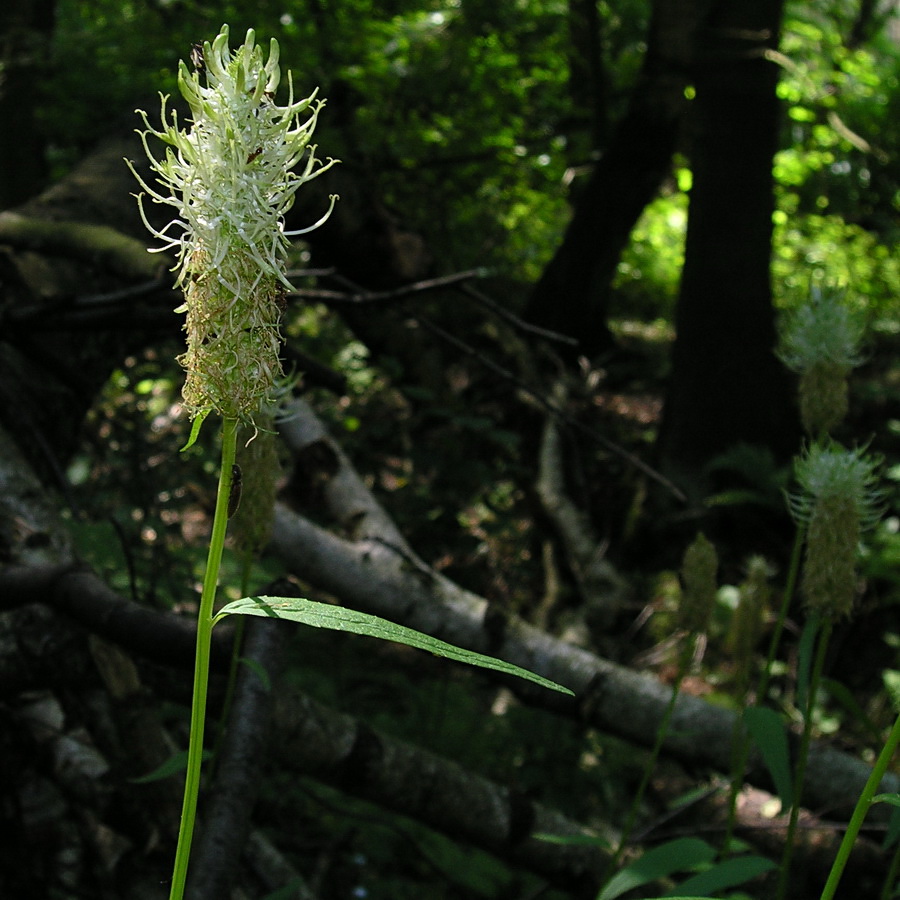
point(821, 341)
point(821, 331)
point(231, 180)
point(749, 615)
point(838, 500)
point(698, 576)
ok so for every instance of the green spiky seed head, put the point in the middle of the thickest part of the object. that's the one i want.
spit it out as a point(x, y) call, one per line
point(749, 616)
point(829, 574)
point(699, 586)
point(838, 499)
point(821, 342)
point(823, 397)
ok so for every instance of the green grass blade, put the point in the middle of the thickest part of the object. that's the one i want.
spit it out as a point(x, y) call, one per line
point(726, 874)
point(674, 856)
point(337, 618)
point(174, 765)
point(767, 729)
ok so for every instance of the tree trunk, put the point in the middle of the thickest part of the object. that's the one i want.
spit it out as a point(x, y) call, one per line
point(572, 295)
point(25, 28)
point(727, 386)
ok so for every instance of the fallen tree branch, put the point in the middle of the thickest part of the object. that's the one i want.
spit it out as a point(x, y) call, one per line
point(603, 590)
point(356, 296)
point(273, 870)
point(379, 569)
point(311, 738)
point(100, 245)
point(348, 754)
point(440, 793)
point(86, 599)
point(374, 574)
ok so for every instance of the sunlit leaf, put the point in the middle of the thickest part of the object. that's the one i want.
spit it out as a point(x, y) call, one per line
point(195, 430)
point(337, 618)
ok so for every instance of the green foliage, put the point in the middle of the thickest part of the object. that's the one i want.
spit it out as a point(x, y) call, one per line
point(837, 178)
point(381, 856)
point(174, 765)
point(728, 873)
point(131, 489)
point(647, 279)
point(767, 729)
point(684, 855)
point(754, 476)
point(336, 618)
point(676, 856)
point(470, 106)
point(827, 250)
point(837, 174)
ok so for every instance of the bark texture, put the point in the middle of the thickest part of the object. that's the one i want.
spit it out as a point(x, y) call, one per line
point(572, 294)
point(727, 386)
point(374, 570)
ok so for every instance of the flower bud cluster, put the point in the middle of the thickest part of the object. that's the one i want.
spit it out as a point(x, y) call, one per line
point(749, 615)
point(838, 500)
point(820, 342)
point(229, 178)
point(698, 578)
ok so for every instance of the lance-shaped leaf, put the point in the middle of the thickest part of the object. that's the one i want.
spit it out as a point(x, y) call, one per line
point(337, 618)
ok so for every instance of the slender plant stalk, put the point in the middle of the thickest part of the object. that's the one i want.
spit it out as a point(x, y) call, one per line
point(230, 181)
point(803, 753)
point(201, 663)
point(739, 764)
point(683, 666)
point(791, 585)
point(887, 889)
point(861, 810)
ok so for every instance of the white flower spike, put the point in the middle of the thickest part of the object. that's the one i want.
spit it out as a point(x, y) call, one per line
point(231, 180)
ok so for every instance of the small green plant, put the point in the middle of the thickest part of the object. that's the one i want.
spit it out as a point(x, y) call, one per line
point(836, 501)
point(231, 180)
point(698, 598)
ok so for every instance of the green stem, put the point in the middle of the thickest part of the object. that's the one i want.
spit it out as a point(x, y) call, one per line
point(739, 763)
point(684, 664)
point(803, 753)
point(789, 588)
point(740, 751)
point(861, 810)
point(201, 663)
point(887, 889)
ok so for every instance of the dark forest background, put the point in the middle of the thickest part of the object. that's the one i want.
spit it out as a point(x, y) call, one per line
point(535, 348)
